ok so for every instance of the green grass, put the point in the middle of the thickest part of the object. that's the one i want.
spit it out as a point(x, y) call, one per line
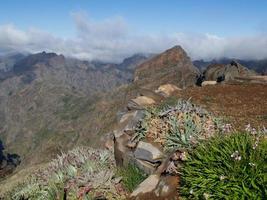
point(211, 173)
point(132, 176)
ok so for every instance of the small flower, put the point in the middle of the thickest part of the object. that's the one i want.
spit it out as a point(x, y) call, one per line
point(183, 156)
point(236, 156)
point(251, 164)
point(227, 128)
point(206, 196)
point(222, 177)
point(191, 191)
point(248, 127)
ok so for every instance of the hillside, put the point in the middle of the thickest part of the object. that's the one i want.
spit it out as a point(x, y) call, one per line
point(48, 114)
point(48, 98)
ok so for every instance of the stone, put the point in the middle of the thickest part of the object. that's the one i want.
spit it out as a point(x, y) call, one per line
point(140, 103)
point(147, 167)
point(130, 120)
point(147, 186)
point(167, 90)
point(167, 187)
point(157, 187)
point(148, 152)
point(205, 83)
point(220, 72)
point(122, 154)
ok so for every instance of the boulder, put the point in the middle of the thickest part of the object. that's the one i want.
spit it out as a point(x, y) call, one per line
point(140, 103)
point(122, 153)
point(129, 121)
point(146, 187)
point(157, 187)
point(220, 72)
point(148, 152)
point(167, 90)
point(145, 166)
point(205, 83)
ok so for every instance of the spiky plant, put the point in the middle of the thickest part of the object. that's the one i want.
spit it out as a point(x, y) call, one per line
point(182, 134)
point(83, 171)
point(227, 167)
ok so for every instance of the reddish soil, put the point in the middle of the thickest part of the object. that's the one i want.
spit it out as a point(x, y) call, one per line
point(238, 104)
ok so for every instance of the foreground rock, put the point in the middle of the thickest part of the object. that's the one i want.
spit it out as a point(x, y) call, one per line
point(156, 187)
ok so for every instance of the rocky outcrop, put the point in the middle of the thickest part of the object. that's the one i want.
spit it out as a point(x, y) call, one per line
point(146, 155)
point(172, 66)
point(167, 90)
point(229, 72)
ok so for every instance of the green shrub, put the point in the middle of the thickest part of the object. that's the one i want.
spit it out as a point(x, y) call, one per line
point(131, 176)
point(227, 167)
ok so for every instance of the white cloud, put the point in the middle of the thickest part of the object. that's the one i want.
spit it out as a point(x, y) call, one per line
point(113, 40)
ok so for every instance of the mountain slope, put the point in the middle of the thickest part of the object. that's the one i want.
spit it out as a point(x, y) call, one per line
point(50, 103)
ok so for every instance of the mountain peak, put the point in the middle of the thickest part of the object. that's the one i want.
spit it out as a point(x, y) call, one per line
point(171, 66)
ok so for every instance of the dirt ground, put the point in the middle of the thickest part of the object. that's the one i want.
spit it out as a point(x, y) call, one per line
point(238, 104)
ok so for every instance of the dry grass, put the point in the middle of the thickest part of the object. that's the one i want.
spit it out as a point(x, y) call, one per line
point(238, 104)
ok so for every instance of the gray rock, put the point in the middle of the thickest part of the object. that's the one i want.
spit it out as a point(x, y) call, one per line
point(148, 152)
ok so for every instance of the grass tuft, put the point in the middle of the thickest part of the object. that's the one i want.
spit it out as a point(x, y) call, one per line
point(227, 167)
point(131, 176)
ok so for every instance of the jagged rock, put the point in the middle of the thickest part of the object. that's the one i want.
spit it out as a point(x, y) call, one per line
point(140, 103)
point(167, 90)
point(157, 187)
point(167, 188)
point(148, 152)
point(129, 121)
point(172, 66)
point(219, 72)
point(147, 186)
point(108, 140)
point(147, 167)
point(122, 153)
point(205, 83)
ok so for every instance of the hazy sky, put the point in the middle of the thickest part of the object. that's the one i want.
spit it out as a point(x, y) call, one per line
point(113, 29)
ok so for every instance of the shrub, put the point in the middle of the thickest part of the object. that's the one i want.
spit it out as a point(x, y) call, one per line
point(179, 125)
point(78, 173)
point(131, 176)
point(227, 167)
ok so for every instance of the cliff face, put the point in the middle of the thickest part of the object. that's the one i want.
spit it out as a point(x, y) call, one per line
point(172, 66)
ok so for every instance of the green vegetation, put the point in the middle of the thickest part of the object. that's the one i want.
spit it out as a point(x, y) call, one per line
point(232, 167)
point(78, 174)
point(131, 176)
point(73, 107)
point(181, 124)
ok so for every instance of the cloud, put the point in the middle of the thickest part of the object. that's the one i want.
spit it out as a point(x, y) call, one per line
point(112, 40)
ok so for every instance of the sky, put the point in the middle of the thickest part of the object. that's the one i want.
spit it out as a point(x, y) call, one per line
point(111, 30)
